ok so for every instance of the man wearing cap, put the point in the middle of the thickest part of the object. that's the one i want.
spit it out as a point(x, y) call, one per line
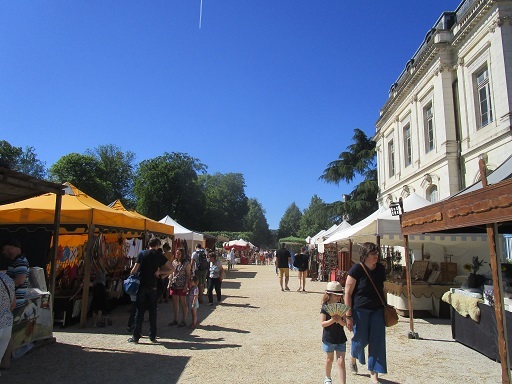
point(17, 270)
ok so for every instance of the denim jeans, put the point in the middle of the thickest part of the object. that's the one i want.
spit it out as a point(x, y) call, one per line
point(214, 283)
point(146, 300)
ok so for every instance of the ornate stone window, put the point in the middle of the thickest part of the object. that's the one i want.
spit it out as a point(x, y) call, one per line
point(391, 158)
point(428, 122)
point(433, 194)
point(485, 113)
point(407, 146)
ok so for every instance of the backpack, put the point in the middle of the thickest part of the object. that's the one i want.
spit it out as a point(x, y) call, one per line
point(202, 262)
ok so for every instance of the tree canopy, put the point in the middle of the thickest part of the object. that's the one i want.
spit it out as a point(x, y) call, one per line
point(84, 172)
point(21, 160)
point(358, 159)
point(168, 185)
point(314, 218)
point(117, 168)
point(256, 222)
point(225, 201)
point(290, 222)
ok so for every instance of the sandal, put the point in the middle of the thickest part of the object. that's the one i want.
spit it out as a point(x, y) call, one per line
point(182, 324)
point(174, 322)
point(353, 368)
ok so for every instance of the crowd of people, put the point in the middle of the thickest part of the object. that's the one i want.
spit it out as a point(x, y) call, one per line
point(184, 279)
point(163, 274)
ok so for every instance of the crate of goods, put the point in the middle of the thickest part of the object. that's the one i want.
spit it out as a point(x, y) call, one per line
point(448, 271)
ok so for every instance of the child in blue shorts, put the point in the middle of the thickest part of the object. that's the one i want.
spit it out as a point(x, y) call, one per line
point(333, 336)
point(193, 300)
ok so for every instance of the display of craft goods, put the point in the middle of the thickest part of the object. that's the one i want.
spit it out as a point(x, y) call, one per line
point(336, 309)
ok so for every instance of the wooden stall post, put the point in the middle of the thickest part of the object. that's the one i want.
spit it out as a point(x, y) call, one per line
point(501, 319)
point(55, 247)
point(87, 277)
point(412, 334)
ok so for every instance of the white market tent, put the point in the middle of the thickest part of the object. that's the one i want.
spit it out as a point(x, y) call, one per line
point(238, 244)
point(325, 233)
point(381, 227)
point(313, 239)
point(379, 223)
point(180, 232)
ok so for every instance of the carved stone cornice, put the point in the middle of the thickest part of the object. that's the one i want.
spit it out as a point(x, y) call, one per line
point(471, 18)
point(499, 21)
point(440, 68)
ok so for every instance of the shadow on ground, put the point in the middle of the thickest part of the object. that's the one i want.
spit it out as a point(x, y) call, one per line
point(230, 284)
point(244, 275)
point(87, 365)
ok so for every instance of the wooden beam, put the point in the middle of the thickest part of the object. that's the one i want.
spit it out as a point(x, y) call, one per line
point(501, 319)
point(87, 277)
point(55, 246)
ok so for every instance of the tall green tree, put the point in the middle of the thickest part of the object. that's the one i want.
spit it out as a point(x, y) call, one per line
point(84, 172)
point(289, 224)
point(256, 222)
point(358, 160)
point(168, 185)
point(118, 172)
point(314, 218)
point(225, 201)
point(22, 160)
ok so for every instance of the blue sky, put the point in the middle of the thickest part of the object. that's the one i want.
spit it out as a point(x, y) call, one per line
point(272, 89)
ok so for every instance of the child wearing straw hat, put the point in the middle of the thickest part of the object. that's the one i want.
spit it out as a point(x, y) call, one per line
point(333, 336)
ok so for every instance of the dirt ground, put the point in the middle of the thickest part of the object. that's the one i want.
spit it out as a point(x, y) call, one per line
point(258, 335)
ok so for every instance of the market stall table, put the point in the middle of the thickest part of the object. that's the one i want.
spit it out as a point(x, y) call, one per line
point(481, 336)
point(426, 298)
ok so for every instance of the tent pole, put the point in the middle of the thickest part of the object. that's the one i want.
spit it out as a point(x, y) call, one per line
point(501, 324)
point(349, 254)
point(412, 334)
point(55, 247)
point(87, 276)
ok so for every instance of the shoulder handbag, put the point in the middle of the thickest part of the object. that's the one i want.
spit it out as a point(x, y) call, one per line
point(131, 284)
point(390, 315)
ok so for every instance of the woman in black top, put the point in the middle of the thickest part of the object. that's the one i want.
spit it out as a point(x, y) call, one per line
point(366, 318)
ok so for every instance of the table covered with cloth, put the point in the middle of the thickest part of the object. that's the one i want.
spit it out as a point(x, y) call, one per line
point(425, 297)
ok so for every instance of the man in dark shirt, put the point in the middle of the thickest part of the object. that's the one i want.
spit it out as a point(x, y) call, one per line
point(283, 261)
point(150, 264)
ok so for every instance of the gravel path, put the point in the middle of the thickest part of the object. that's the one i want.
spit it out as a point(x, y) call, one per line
point(258, 335)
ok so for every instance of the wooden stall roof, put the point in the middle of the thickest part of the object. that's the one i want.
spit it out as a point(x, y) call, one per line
point(471, 211)
point(17, 186)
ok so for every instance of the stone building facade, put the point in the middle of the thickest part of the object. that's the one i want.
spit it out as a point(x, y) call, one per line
point(450, 106)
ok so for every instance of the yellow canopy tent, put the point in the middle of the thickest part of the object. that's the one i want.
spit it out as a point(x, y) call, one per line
point(78, 210)
point(150, 224)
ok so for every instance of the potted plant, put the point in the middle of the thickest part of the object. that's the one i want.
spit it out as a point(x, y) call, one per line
point(474, 280)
